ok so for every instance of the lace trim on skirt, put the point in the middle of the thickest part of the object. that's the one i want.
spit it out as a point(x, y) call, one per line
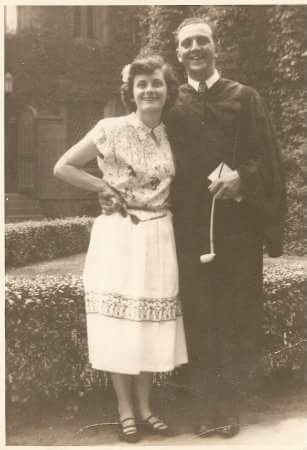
point(137, 309)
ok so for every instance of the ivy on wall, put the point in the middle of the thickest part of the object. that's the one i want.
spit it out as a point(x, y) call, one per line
point(287, 44)
point(49, 66)
point(158, 32)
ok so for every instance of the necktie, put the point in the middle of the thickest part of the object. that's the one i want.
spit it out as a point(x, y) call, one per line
point(202, 89)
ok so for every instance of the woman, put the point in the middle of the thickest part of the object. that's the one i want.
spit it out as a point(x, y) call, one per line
point(134, 319)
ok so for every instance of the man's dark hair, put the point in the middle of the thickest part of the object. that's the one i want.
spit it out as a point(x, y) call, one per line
point(147, 65)
point(193, 20)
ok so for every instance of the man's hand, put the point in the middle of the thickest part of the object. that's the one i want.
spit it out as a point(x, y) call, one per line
point(228, 186)
point(111, 202)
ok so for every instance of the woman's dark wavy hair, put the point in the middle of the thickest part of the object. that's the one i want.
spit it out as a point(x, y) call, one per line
point(147, 65)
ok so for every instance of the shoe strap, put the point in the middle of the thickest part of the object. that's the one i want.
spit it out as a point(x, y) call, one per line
point(129, 429)
point(152, 416)
point(158, 422)
point(127, 418)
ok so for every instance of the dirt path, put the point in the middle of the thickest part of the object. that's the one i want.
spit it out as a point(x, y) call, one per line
point(73, 265)
point(274, 420)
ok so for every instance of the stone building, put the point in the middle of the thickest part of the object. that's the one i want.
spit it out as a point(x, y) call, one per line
point(35, 134)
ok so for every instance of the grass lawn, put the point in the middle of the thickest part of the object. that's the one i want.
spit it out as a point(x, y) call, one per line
point(73, 265)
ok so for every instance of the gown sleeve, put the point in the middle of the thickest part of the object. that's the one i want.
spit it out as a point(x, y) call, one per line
point(262, 180)
point(260, 173)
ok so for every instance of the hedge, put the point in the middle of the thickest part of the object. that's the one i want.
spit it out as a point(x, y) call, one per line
point(33, 241)
point(46, 349)
point(285, 316)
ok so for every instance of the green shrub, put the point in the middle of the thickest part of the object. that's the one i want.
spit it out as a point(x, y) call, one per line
point(285, 318)
point(46, 348)
point(46, 352)
point(32, 241)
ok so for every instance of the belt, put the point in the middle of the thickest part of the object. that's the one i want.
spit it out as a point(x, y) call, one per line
point(138, 216)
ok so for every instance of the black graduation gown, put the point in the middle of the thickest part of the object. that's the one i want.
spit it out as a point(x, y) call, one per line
point(222, 300)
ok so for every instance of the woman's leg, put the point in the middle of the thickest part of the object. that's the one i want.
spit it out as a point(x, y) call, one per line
point(143, 384)
point(122, 384)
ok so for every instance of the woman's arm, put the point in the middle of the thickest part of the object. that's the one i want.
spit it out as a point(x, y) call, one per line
point(69, 168)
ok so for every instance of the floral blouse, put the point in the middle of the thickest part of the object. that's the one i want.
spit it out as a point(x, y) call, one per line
point(136, 160)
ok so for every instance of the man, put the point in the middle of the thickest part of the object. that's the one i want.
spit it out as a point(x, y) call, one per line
point(218, 121)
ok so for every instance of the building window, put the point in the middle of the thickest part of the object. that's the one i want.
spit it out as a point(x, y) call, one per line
point(77, 21)
point(89, 22)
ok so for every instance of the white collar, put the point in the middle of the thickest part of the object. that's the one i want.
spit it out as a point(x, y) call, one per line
point(143, 130)
point(209, 82)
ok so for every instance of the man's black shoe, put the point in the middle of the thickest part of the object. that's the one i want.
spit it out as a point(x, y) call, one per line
point(229, 428)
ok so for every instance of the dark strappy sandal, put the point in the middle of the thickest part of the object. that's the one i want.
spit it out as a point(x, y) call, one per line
point(128, 432)
point(157, 426)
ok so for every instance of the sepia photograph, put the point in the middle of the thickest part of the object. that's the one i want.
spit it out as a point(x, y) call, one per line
point(155, 242)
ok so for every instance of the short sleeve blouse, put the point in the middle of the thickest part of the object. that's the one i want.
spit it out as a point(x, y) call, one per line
point(134, 161)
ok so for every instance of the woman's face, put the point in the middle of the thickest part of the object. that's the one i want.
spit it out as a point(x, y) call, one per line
point(150, 91)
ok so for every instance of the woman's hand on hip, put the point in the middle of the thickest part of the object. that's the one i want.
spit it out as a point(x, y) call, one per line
point(111, 202)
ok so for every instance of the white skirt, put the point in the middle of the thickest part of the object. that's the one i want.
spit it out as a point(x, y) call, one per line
point(134, 318)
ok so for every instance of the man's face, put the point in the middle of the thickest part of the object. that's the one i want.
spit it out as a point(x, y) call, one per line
point(196, 50)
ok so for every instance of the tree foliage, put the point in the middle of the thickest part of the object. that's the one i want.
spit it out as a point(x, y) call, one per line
point(162, 22)
point(49, 66)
